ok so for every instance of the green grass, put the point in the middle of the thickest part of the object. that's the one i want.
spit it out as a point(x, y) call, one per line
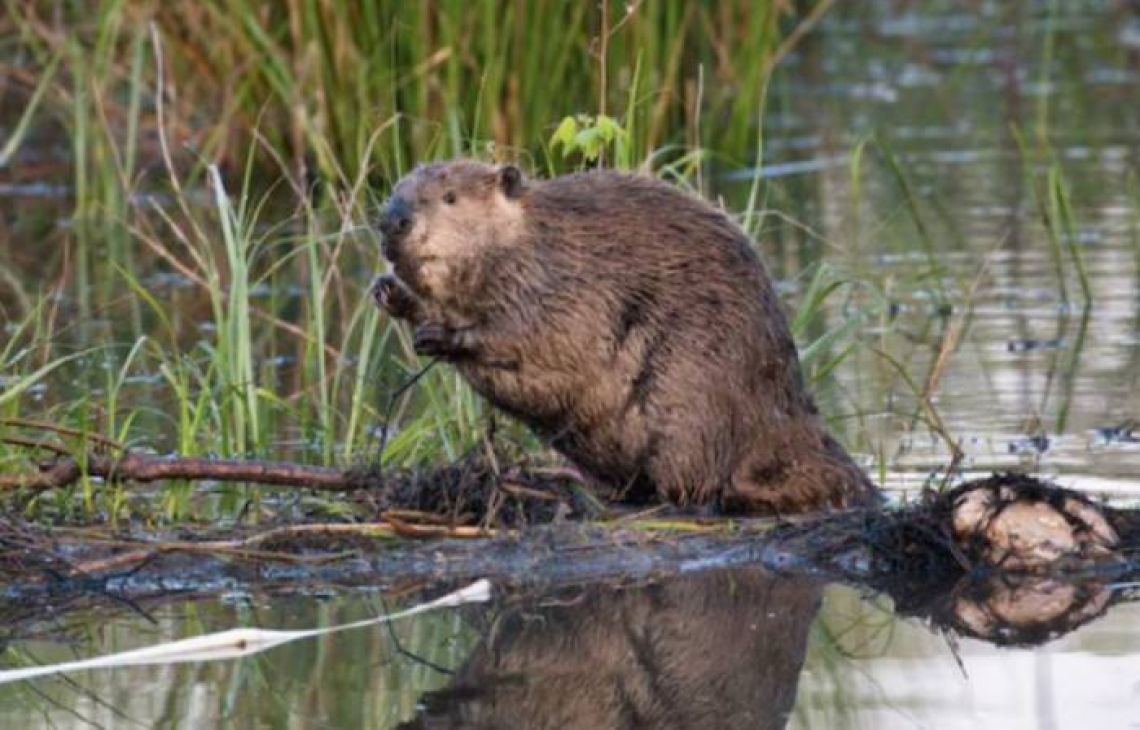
point(343, 88)
point(226, 161)
point(203, 291)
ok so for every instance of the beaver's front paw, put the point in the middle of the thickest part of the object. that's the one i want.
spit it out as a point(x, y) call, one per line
point(439, 340)
point(393, 297)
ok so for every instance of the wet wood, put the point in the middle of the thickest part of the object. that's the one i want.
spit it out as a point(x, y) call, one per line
point(143, 468)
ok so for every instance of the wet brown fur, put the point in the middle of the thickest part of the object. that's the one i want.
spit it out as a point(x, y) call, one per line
point(627, 322)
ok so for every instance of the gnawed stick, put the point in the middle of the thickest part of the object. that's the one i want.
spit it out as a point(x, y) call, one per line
point(147, 468)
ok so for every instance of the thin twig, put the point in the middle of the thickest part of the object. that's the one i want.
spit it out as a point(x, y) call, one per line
point(240, 547)
point(386, 428)
point(793, 39)
point(63, 431)
point(34, 444)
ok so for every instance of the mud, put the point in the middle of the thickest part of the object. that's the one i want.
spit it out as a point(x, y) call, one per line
point(538, 540)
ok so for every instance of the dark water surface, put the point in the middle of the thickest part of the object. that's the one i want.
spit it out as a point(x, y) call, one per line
point(710, 649)
point(1036, 380)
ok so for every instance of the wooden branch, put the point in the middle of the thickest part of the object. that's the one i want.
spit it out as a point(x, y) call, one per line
point(146, 468)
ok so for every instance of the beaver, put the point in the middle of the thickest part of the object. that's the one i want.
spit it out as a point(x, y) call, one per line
point(720, 650)
point(628, 323)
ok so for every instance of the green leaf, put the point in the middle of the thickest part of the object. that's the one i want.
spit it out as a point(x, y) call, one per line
point(565, 134)
point(590, 142)
point(609, 129)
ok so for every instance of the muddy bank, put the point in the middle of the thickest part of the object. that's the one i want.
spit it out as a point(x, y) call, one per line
point(536, 540)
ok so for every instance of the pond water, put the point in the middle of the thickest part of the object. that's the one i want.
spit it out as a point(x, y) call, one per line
point(1035, 379)
point(711, 649)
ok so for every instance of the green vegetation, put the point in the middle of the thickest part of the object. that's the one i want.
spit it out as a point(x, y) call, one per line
point(200, 288)
point(208, 294)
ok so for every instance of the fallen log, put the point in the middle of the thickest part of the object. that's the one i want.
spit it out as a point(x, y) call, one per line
point(1009, 524)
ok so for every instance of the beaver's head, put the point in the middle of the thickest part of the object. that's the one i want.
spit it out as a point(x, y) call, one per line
point(442, 216)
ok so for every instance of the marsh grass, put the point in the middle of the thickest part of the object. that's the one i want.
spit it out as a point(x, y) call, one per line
point(225, 159)
point(340, 87)
point(204, 292)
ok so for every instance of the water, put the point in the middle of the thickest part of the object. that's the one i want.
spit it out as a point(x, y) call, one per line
point(1027, 382)
point(713, 649)
point(1030, 381)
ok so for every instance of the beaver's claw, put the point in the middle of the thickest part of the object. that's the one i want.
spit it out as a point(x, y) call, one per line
point(393, 297)
point(438, 340)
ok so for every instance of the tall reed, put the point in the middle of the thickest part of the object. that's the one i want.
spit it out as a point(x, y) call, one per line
point(227, 155)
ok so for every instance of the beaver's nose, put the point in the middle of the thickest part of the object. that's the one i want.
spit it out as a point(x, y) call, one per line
point(396, 220)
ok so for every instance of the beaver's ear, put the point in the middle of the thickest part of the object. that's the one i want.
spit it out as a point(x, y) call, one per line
point(511, 180)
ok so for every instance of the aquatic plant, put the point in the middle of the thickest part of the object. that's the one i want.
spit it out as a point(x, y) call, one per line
point(192, 277)
point(225, 159)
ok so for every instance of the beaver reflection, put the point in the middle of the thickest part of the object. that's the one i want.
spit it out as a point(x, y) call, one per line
point(711, 650)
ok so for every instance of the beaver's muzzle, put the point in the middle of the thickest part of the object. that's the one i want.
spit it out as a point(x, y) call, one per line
point(395, 223)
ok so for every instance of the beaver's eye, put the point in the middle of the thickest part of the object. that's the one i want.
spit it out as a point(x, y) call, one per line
point(449, 197)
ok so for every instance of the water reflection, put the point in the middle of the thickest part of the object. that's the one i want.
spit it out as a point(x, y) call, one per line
point(866, 670)
point(364, 679)
point(712, 650)
point(949, 213)
point(737, 648)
